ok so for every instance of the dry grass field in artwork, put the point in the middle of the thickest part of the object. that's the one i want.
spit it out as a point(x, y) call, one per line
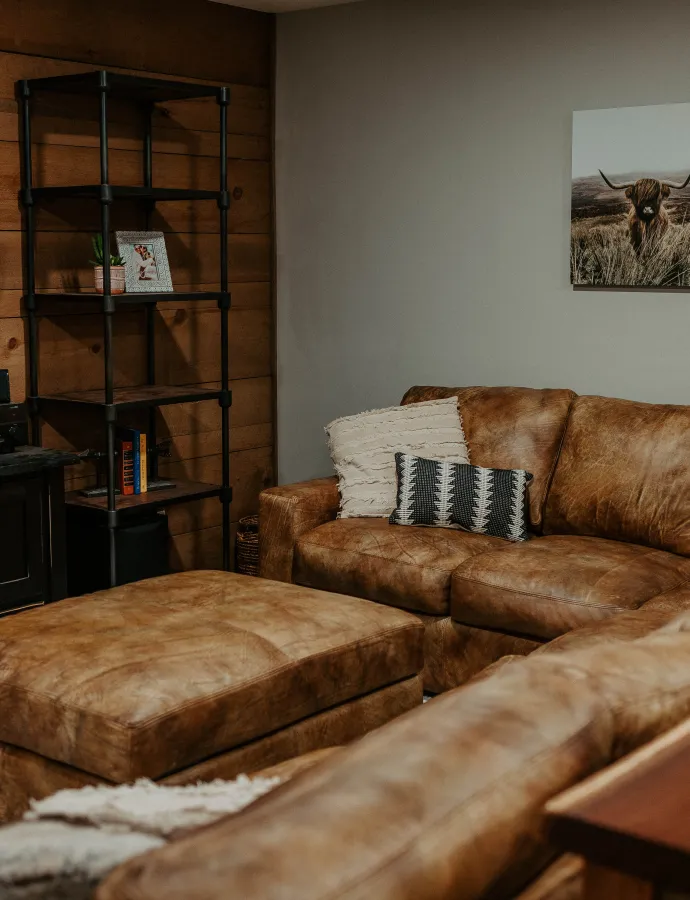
point(600, 249)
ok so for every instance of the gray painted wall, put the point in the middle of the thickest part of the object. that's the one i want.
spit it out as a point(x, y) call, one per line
point(423, 178)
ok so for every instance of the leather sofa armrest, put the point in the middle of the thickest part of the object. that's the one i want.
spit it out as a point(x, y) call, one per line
point(285, 514)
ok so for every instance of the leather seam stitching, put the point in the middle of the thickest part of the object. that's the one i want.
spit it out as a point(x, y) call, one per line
point(56, 701)
point(400, 562)
point(557, 459)
point(359, 642)
point(134, 729)
point(550, 597)
point(294, 499)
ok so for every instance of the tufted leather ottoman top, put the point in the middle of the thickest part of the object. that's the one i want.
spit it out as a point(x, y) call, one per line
point(152, 677)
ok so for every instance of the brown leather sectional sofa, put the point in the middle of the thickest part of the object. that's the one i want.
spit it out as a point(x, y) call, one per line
point(609, 508)
point(447, 801)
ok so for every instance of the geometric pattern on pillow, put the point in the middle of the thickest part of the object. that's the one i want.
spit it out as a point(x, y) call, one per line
point(452, 495)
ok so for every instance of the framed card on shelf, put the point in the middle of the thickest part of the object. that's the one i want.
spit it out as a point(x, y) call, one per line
point(146, 261)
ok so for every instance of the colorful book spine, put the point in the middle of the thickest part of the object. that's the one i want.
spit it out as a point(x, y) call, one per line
point(133, 436)
point(136, 459)
point(143, 464)
point(126, 467)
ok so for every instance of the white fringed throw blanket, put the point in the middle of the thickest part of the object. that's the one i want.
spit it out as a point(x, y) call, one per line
point(67, 843)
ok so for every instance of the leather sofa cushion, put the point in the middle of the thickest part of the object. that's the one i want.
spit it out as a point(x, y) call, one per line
point(624, 473)
point(553, 584)
point(510, 428)
point(398, 565)
point(148, 678)
point(628, 626)
point(664, 610)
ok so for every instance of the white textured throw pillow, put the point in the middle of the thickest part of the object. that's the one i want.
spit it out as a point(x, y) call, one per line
point(363, 449)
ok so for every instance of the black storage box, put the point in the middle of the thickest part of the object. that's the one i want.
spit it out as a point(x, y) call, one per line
point(141, 549)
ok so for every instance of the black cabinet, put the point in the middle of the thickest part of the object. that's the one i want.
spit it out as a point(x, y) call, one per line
point(32, 527)
point(21, 557)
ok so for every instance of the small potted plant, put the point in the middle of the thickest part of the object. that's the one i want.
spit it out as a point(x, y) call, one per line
point(117, 268)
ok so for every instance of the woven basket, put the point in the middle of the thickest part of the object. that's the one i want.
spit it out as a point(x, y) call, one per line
point(247, 548)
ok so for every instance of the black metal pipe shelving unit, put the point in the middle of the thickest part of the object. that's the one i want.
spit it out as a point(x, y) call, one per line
point(145, 93)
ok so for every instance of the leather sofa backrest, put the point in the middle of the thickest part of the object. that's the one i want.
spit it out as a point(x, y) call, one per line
point(624, 473)
point(443, 803)
point(510, 428)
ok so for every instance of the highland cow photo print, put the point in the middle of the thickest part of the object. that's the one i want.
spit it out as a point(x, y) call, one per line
point(630, 214)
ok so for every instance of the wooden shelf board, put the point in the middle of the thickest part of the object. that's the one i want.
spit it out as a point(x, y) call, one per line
point(129, 87)
point(142, 396)
point(120, 192)
point(183, 492)
point(129, 299)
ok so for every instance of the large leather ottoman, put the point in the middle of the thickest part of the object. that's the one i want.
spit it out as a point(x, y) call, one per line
point(191, 677)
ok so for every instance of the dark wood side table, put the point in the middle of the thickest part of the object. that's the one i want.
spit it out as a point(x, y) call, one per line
point(631, 823)
point(32, 527)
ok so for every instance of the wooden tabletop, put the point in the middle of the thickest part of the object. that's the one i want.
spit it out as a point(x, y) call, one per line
point(634, 816)
point(26, 460)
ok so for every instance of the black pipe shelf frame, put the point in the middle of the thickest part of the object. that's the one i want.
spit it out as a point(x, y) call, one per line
point(144, 92)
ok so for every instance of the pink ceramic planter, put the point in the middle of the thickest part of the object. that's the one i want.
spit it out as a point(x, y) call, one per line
point(117, 279)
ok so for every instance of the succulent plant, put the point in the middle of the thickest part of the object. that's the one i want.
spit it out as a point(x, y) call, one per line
point(97, 244)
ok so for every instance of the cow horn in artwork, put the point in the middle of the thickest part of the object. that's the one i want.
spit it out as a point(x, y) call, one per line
point(622, 185)
point(678, 187)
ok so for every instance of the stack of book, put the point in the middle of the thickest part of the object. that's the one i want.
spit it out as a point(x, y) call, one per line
point(131, 455)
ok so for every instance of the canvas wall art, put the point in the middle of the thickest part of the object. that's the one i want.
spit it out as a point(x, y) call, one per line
point(630, 213)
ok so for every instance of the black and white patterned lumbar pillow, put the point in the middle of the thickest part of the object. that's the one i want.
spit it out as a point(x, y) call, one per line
point(486, 501)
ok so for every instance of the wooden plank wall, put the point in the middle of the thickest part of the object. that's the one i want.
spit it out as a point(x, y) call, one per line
point(188, 40)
